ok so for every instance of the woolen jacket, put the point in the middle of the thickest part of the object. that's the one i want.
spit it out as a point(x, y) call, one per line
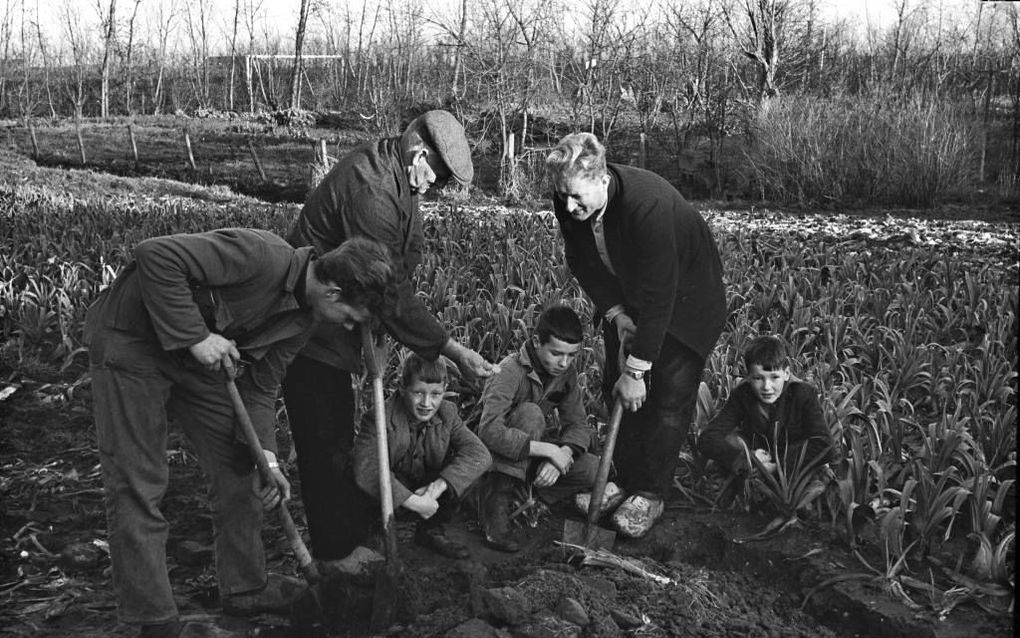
point(367, 194)
point(517, 382)
point(239, 283)
point(442, 446)
point(668, 270)
point(796, 416)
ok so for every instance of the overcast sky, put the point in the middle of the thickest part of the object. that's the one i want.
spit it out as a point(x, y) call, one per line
point(279, 17)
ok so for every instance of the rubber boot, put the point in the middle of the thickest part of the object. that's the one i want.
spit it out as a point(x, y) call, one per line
point(496, 513)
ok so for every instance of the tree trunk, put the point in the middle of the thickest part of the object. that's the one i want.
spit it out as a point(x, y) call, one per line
point(458, 47)
point(233, 55)
point(299, 41)
point(128, 60)
point(111, 31)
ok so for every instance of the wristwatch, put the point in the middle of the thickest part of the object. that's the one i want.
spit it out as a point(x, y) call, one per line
point(634, 374)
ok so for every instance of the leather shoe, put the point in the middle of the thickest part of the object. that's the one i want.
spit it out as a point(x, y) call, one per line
point(434, 538)
point(276, 597)
point(636, 515)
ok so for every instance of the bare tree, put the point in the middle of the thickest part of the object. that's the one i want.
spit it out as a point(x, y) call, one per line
point(165, 27)
point(197, 22)
point(6, 25)
point(129, 62)
point(595, 69)
point(252, 12)
point(47, 63)
point(299, 43)
point(109, 23)
point(759, 39)
point(231, 79)
point(458, 45)
point(76, 36)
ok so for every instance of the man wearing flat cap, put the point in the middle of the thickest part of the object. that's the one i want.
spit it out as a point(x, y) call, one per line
point(371, 192)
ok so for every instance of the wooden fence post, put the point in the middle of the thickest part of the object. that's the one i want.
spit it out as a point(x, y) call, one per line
point(134, 144)
point(191, 155)
point(81, 142)
point(35, 142)
point(642, 151)
point(323, 157)
point(258, 162)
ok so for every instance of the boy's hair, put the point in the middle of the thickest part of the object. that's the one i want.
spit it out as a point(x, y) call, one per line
point(767, 352)
point(576, 154)
point(418, 368)
point(561, 322)
point(363, 270)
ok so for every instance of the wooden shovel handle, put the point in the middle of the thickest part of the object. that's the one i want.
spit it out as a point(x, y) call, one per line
point(598, 491)
point(379, 413)
point(297, 544)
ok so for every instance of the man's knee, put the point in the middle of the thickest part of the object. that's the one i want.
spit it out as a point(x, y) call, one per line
point(587, 468)
point(528, 418)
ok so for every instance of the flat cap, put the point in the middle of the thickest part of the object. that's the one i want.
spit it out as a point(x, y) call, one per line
point(445, 134)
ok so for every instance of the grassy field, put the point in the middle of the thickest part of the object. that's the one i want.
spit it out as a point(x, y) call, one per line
point(908, 327)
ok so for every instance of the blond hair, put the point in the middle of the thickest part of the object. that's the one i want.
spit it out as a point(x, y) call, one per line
point(577, 154)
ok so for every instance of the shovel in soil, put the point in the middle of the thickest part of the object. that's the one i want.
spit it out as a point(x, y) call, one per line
point(386, 600)
point(312, 608)
point(589, 534)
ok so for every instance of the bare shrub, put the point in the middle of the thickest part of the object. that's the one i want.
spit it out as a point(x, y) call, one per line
point(877, 148)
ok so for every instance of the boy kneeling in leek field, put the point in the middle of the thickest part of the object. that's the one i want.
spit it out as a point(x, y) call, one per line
point(434, 457)
point(771, 415)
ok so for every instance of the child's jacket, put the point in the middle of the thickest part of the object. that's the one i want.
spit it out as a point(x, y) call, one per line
point(518, 382)
point(442, 447)
point(797, 412)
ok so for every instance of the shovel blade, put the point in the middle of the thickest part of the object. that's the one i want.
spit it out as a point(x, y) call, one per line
point(592, 537)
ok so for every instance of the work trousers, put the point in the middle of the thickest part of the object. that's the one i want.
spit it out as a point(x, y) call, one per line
point(320, 410)
point(135, 386)
point(648, 445)
point(528, 418)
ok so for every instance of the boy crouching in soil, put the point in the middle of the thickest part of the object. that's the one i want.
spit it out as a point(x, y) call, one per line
point(517, 407)
point(434, 457)
point(776, 415)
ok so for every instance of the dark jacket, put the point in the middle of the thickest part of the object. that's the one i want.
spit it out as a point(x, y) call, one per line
point(668, 270)
point(239, 283)
point(366, 194)
point(797, 414)
point(443, 446)
point(518, 382)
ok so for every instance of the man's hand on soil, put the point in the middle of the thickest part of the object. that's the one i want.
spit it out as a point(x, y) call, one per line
point(211, 350)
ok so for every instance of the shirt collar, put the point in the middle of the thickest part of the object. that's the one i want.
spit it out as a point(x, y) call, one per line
point(610, 191)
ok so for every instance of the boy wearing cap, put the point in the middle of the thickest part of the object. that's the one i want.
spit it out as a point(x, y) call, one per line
point(372, 192)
